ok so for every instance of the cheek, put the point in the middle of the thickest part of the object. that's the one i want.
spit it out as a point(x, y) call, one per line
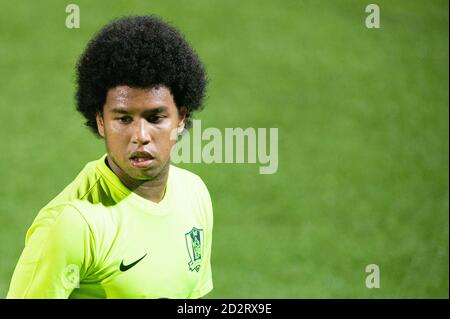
point(166, 139)
point(167, 131)
point(167, 126)
point(115, 136)
point(115, 127)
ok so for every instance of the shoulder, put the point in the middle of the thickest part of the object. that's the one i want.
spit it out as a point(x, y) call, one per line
point(59, 212)
point(62, 220)
point(192, 186)
point(188, 179)
point(76, 215)
point(81, 186)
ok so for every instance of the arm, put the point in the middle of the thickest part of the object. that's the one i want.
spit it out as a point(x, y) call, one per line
point(53, 261)
point(205, 283)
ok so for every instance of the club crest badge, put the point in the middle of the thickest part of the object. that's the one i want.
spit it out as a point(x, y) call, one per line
point(194, 242)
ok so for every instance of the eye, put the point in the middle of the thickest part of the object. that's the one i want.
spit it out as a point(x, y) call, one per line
point(155, 118)
point(124, 119)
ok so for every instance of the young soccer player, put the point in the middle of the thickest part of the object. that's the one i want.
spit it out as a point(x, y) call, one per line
point(130, 225)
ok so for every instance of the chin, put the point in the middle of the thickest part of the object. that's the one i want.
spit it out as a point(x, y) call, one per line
point(146, 175)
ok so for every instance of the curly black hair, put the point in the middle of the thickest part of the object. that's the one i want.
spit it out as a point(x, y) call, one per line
point(141, 52)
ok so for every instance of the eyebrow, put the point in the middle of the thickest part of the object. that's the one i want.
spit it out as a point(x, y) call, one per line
point(156, 110)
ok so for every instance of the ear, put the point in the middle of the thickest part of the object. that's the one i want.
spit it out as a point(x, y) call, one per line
point(100, 124)
point(183, 115)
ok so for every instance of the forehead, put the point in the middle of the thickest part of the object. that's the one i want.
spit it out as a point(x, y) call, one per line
point(128, 97)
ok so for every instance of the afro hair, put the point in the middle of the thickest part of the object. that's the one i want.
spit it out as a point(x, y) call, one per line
point(141, 52)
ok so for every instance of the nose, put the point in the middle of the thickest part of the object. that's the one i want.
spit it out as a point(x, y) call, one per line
point(141, 133)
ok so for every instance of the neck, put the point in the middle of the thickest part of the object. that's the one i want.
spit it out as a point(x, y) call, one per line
point(152, 190)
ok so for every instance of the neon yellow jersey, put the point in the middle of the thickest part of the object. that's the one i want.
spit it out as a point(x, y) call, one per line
point(98, 239)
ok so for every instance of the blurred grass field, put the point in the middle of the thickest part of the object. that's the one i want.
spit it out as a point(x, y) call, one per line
point(363, 137)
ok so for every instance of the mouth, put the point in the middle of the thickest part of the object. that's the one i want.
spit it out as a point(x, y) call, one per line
point(142, 159)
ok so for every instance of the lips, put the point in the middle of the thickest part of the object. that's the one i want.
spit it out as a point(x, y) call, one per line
point(141, 159)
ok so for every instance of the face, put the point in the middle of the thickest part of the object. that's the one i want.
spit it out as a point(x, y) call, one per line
point(139, 127)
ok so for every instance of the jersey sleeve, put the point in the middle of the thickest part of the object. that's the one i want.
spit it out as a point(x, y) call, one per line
point(205, 283)
point(55, 257)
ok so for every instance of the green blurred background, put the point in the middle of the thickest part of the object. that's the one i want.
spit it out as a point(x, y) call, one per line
point(363, 137)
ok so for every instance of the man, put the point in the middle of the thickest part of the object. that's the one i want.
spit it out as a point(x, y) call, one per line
point(130, 225)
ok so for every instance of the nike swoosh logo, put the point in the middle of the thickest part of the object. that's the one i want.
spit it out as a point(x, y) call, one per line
point(126, 267)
